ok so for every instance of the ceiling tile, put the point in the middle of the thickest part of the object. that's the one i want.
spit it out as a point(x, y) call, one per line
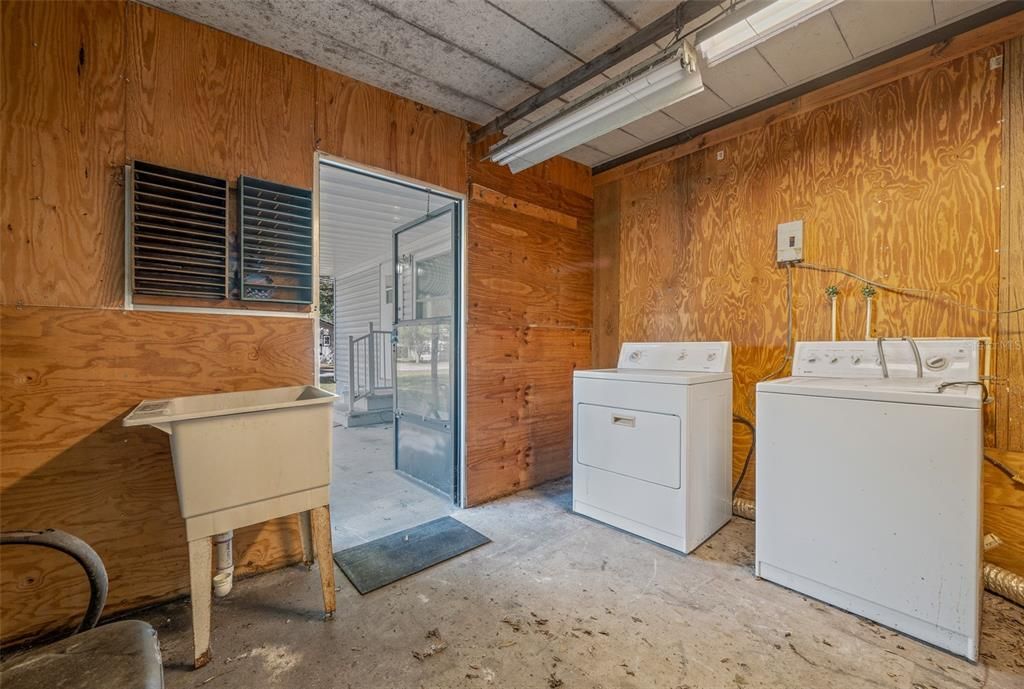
point(870, 26)
point(643, 12)
point(586, 28)
point(586, 155)
point(696, 109)
point(742, 79)
point(653, 127)
point(807, 50)
point(948, 10)
point(615, 143)
point(484, 31)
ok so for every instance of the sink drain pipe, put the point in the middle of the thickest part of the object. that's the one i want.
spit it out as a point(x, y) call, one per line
point(999, 581)
point(225, 576)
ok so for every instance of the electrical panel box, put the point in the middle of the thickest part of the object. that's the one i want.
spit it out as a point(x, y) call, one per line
point(790, 242)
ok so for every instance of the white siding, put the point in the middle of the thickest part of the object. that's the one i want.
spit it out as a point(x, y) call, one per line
point(356, 304)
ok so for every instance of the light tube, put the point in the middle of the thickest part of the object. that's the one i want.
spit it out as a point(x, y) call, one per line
point(659, 82)
point(755, 23)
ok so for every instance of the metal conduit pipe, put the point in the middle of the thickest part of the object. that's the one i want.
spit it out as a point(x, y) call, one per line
point(999, 581)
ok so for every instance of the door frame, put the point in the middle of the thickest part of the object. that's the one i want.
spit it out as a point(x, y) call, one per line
point(459, 317)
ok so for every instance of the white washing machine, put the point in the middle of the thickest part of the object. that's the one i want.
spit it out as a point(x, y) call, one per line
point(652, 442)
point(869, 488)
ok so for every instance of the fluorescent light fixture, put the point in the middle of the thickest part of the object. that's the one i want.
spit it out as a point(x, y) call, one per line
point(668, 77)
point(753, 23)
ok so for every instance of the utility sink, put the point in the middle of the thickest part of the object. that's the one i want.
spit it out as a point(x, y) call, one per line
point(245, 457)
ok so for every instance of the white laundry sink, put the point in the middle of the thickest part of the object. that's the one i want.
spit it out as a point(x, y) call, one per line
point(245, 457)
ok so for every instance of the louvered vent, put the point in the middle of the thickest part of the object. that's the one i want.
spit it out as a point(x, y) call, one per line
point(277, 242)
point(179, 233)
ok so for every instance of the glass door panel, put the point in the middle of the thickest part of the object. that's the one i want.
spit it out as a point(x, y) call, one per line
point(424, 296)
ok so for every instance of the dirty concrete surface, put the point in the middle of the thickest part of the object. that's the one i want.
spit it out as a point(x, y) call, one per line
point(558, 600)
point(369, 498)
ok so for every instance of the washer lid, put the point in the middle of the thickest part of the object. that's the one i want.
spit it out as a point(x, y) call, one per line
point(647, 375)
point(905, 390)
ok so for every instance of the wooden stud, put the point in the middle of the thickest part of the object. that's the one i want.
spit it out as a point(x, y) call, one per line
point(200, 568)
point(320, 520)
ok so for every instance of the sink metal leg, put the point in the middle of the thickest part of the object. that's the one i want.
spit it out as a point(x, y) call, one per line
point(200, 569)
point(306, 535)
point(320, 522)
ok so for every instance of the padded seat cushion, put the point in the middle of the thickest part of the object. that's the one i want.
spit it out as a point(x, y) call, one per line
point(120, 655)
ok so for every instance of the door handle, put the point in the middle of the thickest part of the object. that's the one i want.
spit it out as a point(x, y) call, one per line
point(628, 421)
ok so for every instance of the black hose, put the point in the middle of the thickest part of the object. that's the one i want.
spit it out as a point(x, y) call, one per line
point(736, 418)
point(82, 553)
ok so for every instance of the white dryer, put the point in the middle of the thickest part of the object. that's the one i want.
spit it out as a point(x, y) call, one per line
point(869, 488)
point(652, 442)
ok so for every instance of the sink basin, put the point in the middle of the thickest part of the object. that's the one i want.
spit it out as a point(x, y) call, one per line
point(245, 457)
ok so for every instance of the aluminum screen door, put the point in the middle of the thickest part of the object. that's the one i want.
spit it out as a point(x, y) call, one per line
point(424, 340)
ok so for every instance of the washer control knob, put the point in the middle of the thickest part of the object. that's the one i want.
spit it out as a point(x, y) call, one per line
point(855, 359)
point(936, 363)
point(833, 359)
point(812, 358)
point(682, 355)
point(712, 356)
point(636, 356)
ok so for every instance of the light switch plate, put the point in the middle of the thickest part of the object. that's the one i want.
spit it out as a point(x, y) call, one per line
point(790, 242)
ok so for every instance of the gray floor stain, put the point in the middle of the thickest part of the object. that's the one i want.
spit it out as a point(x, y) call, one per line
point(562, 601)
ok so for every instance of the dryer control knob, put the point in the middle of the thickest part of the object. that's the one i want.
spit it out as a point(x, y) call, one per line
point(712, 356)
point(682, 355)
point(636, 356)
point(936, 363)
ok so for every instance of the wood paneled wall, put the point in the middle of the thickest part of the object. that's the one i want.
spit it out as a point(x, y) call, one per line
point(529, 287)
point(89, 86)
point(900, 183)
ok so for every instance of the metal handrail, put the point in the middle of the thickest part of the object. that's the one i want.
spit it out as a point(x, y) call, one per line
point(369, 363)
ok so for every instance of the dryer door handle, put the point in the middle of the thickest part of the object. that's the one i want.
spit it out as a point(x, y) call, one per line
point(620, 420)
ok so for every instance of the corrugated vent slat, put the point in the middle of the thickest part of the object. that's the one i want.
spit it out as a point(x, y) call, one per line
point(179, 233)
point(277, 241)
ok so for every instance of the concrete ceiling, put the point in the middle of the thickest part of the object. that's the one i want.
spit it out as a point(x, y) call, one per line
point(478, 58)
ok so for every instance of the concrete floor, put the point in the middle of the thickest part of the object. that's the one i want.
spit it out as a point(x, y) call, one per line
point(369, 498)
point(558, 600)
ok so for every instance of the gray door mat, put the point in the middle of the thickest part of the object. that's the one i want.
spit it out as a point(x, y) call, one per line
point(369, 566)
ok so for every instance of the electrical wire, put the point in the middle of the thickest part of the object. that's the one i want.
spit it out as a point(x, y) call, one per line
point(736, 418)
point(913, 291)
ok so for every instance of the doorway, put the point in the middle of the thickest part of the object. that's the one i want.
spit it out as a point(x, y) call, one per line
point(390, 341)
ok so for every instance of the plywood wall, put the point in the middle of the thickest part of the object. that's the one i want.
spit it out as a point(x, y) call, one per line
point(89, 86)
point(900, 183)
point(529, 284)
point(82, 95)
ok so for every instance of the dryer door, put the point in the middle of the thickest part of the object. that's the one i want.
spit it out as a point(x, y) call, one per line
point(641, 444)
